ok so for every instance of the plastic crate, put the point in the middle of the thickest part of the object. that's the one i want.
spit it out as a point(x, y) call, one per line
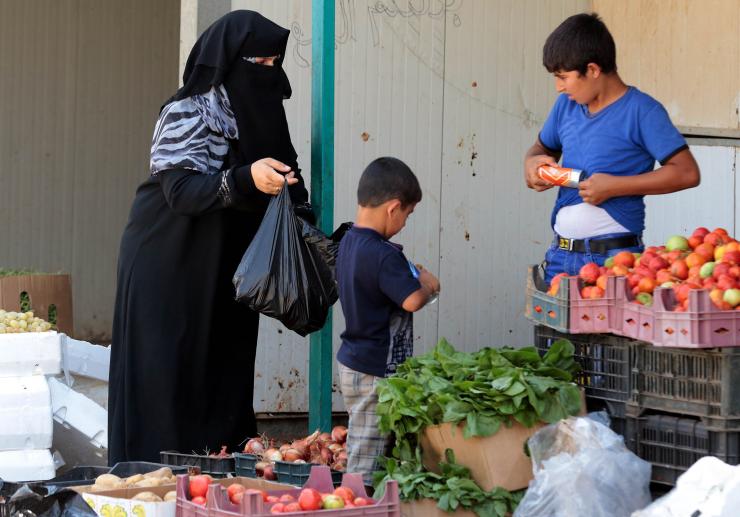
point(298, 473)
point(126, 469)
point(631, 319)
point(77, 476)
point(244, 465)
point(252, 505)
point(703, 325)
point(604, 360)
point(702, 383)
point(207, 464)
point(567, 311)
point(672, 444)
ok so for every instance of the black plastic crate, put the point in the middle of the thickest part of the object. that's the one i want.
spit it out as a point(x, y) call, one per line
point(697, 382)
point(77, 476)
point(297, 473)
point(604, 360)
point(218, 467)
point(245, 465)
point(672, 444)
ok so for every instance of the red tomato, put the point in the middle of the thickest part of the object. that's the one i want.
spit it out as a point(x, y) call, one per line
point(236, 492)
point(292, 507)
point(199, 485)
point(309, 499)
point(199, 500)
point(345, 493)
point(361, 501)
point(272, 499)
point(286, 498)
point(261, 493)
point(278, 508)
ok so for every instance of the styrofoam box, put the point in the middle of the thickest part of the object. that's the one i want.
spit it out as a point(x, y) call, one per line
point(25, 413)
point(83, 358)
point(30, 353)
point(73, 409)
point(28, 465)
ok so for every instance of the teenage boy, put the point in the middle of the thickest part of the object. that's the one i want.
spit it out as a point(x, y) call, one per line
point(614, 133)
point(379, 289)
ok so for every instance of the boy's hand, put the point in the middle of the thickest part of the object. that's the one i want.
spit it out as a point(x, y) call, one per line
point(597, 188)
point(428, 280)
point(531, 164)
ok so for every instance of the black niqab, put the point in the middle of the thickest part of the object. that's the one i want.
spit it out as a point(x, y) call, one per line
point(255, 91)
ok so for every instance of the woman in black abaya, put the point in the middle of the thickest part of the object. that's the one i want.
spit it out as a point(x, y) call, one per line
point(183, 352)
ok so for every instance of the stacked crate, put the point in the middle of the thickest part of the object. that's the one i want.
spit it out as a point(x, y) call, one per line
point(25, 404)
point(672, 405)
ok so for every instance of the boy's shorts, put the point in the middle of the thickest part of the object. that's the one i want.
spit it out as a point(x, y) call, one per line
point(364, 441)
point(561, 258)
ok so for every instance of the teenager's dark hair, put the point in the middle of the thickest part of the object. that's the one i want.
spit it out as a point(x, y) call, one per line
point(387, 178)
point(578, 41)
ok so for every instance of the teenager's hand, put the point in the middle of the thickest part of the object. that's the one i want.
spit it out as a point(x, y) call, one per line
point(531, 164)
point(269, 175)
point(597, 188)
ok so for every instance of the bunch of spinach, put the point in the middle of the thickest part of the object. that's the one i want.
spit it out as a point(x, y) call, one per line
point(484, 389)
point(453, 488)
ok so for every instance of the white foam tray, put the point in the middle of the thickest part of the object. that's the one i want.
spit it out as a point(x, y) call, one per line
point(86, 359)
point(25, 413)
point(75, 410)
point(30, 353)
point(28, 465)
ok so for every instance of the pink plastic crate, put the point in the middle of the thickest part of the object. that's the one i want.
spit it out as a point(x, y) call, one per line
point(567, 311)
point(630, 319)
point(703, 325)
point(252, 505)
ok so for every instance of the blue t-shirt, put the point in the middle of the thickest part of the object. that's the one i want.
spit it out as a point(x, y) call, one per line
point(624, 139)
point(374, 279)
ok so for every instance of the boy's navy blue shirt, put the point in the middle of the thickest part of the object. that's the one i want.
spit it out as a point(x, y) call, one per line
point(624, 139)
point(374, 279)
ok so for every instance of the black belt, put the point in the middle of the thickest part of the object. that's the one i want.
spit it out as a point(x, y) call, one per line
point(600, 246)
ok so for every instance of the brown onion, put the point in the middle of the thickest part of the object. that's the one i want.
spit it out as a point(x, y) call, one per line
point(342, 456)
point(326, 457)
point(284, 447)
point(291, 455)
point(254, 446)
point(301, 461)
point(260, 467)
point(301, 446)
point(324, 438)
point(339, 434)
point(311, 438)
point(335, 447)
point(272, 454)
point(269, 473)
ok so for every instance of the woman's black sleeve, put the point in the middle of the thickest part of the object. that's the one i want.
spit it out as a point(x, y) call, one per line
point(189, 192)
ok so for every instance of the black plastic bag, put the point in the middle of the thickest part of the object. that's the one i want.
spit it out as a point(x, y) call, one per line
point(30, 499)
point(284, 275)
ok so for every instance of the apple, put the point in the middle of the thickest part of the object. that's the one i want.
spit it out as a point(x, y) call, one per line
point(609, 262)
point(333, 501)
point(645, 299)
point(309, 499)
point(732, 296)
point(199, 500)
point(277, 508)
point(677, 242)
point(706, 269)
point(589, 273)
point(236, 492)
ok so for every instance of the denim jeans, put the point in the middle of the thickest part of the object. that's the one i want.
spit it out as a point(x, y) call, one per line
point(570, 262)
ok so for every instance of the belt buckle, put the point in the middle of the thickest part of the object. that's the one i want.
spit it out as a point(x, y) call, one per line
point(565, 244)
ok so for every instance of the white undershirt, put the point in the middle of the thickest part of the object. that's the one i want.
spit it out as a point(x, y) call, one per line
point(582, 221)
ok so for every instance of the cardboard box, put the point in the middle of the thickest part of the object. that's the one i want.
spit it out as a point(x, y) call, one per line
point(497, 460)
point(30, 353)
point(43, 291)
point(25, 413)
point(428, 508)
point(118, 503)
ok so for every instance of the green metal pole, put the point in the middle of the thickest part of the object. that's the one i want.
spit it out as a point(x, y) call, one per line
point(322, 197)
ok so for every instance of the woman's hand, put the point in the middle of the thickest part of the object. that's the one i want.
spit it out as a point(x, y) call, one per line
point(269, 175)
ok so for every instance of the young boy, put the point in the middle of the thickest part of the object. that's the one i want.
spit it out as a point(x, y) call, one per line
point(378, 289)
point(614, 133)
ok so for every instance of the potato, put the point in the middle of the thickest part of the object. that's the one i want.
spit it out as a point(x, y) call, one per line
point(170, 496)
point(149, 497)
point(148, 482)
point(108, 481)
point(164, 472)
point(134, 479)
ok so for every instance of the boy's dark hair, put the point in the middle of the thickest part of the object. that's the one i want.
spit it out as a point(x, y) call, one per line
point(387, 178)
point(578, 41)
